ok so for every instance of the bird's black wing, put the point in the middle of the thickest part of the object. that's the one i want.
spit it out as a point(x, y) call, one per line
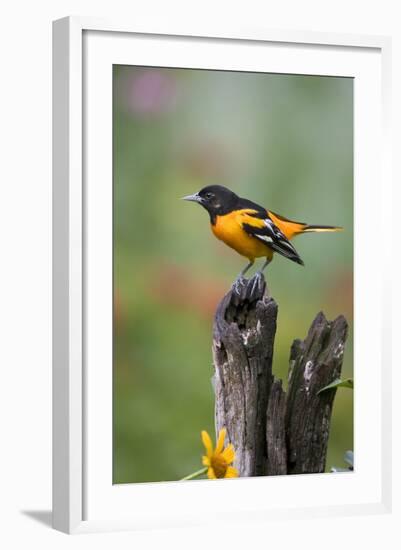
point(272, 236)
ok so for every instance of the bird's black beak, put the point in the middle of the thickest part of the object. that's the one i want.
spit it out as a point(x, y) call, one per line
point(194, 198)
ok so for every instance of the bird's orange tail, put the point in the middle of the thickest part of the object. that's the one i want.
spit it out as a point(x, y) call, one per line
point(291, 228)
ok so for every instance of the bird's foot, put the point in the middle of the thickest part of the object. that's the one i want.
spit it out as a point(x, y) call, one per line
point(239, 285)
point(249, 289)
point(258, 285)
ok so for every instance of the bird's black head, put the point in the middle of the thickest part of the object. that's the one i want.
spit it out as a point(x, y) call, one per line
point(216, 199)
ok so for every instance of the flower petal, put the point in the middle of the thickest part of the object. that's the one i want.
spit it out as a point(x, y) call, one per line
point(228, 454)
point(205, 460)
point(211, 474)
point(220, 441)
point(207, 443)
point(231, 472)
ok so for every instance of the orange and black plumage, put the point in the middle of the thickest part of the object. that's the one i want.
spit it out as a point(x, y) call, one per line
point(250, 229)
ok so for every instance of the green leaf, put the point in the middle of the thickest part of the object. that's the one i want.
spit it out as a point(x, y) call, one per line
point(338, 383)
point(349, 458)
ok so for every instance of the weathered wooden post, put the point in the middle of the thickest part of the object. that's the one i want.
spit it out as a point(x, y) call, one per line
point(244, 330)
point(274, 432)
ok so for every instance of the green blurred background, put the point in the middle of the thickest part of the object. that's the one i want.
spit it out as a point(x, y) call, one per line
point(284, 141)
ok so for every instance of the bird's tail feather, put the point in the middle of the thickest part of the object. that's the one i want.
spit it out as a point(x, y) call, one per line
point(320, 228)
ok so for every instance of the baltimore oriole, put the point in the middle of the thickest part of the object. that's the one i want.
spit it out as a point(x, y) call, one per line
point(250, 229)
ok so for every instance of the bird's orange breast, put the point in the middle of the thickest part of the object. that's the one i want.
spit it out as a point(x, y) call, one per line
point(228, 228)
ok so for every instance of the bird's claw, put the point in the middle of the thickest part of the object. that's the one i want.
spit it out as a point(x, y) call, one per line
point(250, 290)
point(258, 284)
point(238, 285)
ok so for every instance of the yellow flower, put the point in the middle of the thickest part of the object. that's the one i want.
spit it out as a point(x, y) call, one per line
point(218, 460)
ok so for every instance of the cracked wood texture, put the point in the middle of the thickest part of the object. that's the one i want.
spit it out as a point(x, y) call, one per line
point(273, 432)
point(244, 330)
point(314, 363)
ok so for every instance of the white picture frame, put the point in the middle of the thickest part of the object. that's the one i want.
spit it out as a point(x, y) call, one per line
point(83, 496)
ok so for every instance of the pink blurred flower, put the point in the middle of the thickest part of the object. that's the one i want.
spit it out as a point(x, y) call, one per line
point(147, 92)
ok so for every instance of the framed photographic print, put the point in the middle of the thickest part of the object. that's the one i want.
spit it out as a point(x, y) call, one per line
point(229, 347)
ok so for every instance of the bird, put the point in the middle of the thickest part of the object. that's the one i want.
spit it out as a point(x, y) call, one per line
point(250, 229)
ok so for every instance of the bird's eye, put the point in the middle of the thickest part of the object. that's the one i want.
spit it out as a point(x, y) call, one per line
point(209, 195)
